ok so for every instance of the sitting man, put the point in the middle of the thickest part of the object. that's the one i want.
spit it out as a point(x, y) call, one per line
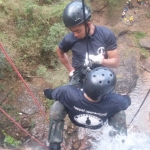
point(89, 108)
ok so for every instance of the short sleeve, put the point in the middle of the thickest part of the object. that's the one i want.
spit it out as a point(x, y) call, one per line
point(124, 102)
point(67, 42)
point(64, 45)
point(111, 41)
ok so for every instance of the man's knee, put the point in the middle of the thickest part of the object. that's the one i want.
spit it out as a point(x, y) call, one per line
point(57, 115)
point(58, 111)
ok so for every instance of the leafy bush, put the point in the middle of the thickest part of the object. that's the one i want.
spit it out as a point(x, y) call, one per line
point(41, 71)
point(144, 53)
point(11, 141)
point(4, 66)
point(50, 1)
point(56, 32)
point(147, 14)
point(114, 7)
point(139, 35)
point(48, 103)
point(27, 26)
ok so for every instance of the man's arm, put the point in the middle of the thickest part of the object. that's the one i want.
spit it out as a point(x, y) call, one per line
point(113, 59)
point(64, 59)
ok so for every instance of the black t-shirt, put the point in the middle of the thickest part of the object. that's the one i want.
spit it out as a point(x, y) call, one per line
point(101, 41)
point(84, 113)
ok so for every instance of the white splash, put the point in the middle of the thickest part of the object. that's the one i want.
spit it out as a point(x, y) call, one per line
point(134, 140)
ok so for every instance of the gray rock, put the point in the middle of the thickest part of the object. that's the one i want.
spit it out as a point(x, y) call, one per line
point(145, 42)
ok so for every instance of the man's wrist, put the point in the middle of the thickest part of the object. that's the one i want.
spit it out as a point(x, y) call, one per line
point(101, 61)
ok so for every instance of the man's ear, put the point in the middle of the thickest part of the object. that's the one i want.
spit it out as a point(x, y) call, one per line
point(88, 24)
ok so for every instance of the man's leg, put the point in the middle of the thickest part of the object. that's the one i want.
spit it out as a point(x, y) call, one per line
point(57, 115)
point(118, 121)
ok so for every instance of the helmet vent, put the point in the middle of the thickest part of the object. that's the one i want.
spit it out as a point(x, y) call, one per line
point(94, 75)
point(100, 82)
point(103, 75)
point(108, 82)
point(111, 75)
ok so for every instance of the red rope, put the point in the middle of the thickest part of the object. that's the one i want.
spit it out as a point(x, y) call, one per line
point(14, 67)
point(18, 125)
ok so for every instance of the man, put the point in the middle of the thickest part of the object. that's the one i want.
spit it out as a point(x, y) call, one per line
point(95, 44)
point(89, 108)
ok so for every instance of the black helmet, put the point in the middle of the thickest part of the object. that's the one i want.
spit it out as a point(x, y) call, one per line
point(99, 82)
point(73, 14)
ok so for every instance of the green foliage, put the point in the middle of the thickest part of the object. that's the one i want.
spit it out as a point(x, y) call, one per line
point(4, 66)
point(1, 87)
point(48, 103)
point(8, 107)
point(147, 14)
point(114, 6)
point(55, 33)
point(139, 35)
point(32, 22)
point(10, 140)
point(41, 71)
point(113, 2)
point(50, 1)
point(144, 53)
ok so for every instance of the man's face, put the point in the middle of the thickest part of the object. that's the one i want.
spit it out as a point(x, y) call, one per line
point(78, 31)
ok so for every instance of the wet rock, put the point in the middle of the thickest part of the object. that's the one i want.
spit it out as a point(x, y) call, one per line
point(26, 122)
point(76, 144)
point(145, 64)
point(122, 33)
point(85, 144)
point(145, 43)
point(25, 101)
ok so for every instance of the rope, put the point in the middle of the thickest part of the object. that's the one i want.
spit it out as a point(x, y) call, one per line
point(85, 25)
point(18, 73)
point(18, 125)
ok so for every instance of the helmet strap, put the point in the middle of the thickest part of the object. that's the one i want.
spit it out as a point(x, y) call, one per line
point(86, 31)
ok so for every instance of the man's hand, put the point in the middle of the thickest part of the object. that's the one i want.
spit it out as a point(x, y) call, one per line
point(54, 146)
point(71, 73)
point(48, 93)
point(96, 59)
